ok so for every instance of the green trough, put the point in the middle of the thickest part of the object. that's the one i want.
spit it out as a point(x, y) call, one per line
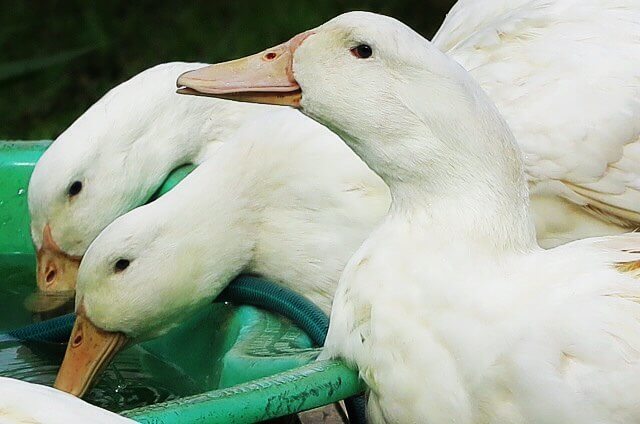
point(253, 366)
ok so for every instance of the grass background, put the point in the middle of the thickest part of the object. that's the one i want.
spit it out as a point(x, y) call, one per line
point(59, 57)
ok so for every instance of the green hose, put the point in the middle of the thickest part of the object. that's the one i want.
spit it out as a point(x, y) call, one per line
point(254, 291)
point(300, 389)
point(306, 315)
point(55, 330)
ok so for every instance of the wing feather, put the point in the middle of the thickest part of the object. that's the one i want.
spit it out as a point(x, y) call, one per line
point(565, 76)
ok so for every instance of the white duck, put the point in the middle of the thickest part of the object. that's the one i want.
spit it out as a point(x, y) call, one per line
point(28, 403)
point(450, 310)
point(292, 208)
point(564, 74)
point(113, 158)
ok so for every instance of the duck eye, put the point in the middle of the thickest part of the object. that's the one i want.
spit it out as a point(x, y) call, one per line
point(121, 265)
point(74, 188)
point(362, 51)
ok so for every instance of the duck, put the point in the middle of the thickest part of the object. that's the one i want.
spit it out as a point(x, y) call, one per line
point(563, 75)
point(450, 309)
point(112, 159)
point(290, 212)
point(23, 402)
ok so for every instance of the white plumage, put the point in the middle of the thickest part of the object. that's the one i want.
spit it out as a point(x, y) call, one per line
point(121, 150)
point(291, 206)
point(27, 403)
point(561, 72)
point(564, 74)
point(450, 310)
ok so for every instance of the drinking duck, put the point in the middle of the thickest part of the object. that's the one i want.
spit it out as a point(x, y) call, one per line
point(253, 207)
point(113, 158)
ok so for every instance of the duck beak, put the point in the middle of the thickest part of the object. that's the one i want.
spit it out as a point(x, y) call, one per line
point(89, 351)
point(266, 77)
point(56, 273)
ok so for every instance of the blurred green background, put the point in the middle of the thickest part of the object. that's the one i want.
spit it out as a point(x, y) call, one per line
point(59, 57)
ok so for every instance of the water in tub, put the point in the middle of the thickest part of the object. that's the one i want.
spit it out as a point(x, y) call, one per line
point(135, 378)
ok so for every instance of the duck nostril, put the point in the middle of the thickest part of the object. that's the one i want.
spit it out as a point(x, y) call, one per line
point(77, 340)
point(270, 56)
point(51, 275)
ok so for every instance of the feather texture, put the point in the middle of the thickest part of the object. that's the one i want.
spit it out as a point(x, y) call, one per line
point(564, 74)
point(27, 403)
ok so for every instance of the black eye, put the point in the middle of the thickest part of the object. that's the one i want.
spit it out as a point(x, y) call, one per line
point(362, 51)
point(74, 188)
point(121, 265)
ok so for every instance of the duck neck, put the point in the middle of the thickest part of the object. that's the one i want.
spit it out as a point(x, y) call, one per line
point(459, 174)
point(197, 127)
point(466, 203)
point(222, 220)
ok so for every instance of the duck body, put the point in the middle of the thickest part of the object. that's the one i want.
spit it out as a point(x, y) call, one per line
point(315, 209)
point(450, 310)
point(27, 403)
point(490, 338)
point(562, 74)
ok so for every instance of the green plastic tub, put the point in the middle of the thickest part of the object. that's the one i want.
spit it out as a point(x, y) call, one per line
point(248, 365)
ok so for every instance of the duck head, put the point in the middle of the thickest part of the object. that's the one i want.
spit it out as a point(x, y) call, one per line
point(351, 74)
point(148, 271)
point(413, 114)
point(111, 160)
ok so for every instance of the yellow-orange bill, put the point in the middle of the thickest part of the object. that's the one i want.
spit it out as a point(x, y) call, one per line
point(56, 272)
point(282, 99)
point(266, 77)
point(89, 351)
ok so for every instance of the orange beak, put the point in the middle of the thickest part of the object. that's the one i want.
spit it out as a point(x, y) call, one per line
point(265, 77)
point(56, 275)
point(89, 351)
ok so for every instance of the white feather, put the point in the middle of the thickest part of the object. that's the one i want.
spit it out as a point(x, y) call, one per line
point(27, 403)
point(450, 310)
point(564, 74)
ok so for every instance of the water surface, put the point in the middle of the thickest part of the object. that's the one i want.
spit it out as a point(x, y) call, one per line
point(135, 378)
